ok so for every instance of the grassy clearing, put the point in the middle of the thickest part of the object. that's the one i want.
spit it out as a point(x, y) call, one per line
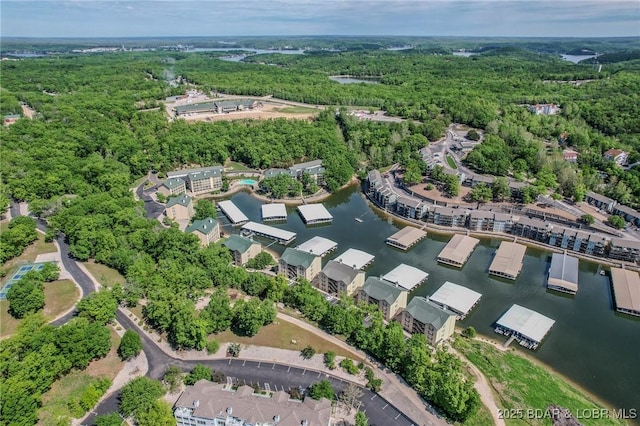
point(451, 163)
point(235, 166)
point(520, 384)
point(137, 311)
point(59, 296)
point(106, 276)
point(296, 110)
point(29, 255)
point(481, 418)
point(280, 334)
point(55, 407)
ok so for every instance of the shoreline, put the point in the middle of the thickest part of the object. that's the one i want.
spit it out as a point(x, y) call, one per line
point(515, 351)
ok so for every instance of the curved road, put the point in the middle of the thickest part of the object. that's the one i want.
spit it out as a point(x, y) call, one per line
point(276, 376)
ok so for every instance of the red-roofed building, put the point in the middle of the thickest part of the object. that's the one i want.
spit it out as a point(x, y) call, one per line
point(570, 155)
point(619, 156)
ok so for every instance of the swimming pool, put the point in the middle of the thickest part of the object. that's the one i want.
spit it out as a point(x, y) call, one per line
point(247, 182)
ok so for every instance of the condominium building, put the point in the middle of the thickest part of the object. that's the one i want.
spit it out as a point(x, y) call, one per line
point(424, 316)
point(212, 404)
point(627, 250)
point(388, 297)
point(242, 248)
point(337, 278)
point(172, 186)
point(207, 230)
point(296, 264)
point(179, 208)
point(202, 179)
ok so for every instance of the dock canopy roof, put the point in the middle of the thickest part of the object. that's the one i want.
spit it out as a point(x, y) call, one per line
point(626, 287)
point(273, 211)
point(318, 246)
point(455, 297)
point(458, 249)
point(406, 237)
point(230, 210)
point(406, 276)
point(528, 323)
point(563, 272)
point(508, 260)
point(315, 213)
point(355, 258)
point(278, 234)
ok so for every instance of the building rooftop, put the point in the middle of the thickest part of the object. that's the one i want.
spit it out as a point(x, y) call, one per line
point(206, 174)
point(270, 231)
point(340, 272)
point(183, 200)
point(295, 257)
point(314, 212)
point(627, 210)
point(406, 276)
point(528, 323)
point(273, 211)
point(481, 214)
point(185, 172)
point(411, 202)
point(230, 210)
point(626, 288)
point(406, 237)
point(458, 249)
point(307, 165)
point(427, 312)
point(204, 226)
point(210, 400)
point(621, 242)
point(173, 183)
point(382, 290)
point(599, 197)
point(508, 259)
point(534, 223)
point(355, 258)
point(318, 246)
point(563, 272)
point(238, 243)
point(456, 297)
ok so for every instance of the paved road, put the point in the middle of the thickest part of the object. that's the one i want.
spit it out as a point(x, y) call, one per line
point(275, 376)
point(152, 209)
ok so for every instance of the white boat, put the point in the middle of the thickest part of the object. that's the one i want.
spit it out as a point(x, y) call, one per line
point(358, 220)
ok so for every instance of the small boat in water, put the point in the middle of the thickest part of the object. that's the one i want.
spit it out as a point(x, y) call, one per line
point(358, 220)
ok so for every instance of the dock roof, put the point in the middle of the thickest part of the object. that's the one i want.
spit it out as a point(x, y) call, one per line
point(456, 297)
point(528, 323)
point(318, 246)
point(273, 211)
point(427, 312)
point(234, 214)
point(626, 287)
point(406, 276)
point(295, 257)
point(458, 249)
point(382, 290)
point(407, 236)
point(340, 272)
point(355, 258)
point(314, 212)
point(508, 259)
point(270, 231)
point(563, 272)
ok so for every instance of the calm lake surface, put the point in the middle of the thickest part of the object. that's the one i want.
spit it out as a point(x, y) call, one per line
point(350, 80)
point(589, 343)
point(576, 58)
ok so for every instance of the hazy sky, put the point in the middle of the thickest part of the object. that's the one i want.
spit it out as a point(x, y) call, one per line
point(98, 18)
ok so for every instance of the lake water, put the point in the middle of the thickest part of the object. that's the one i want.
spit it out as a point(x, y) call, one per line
point(465, 54)
point(589, 343)
point(352, 80)
point(576, 58)
point(248, 50)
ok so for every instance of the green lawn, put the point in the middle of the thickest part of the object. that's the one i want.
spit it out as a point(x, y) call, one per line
point(297, 110)
point(59, 296)
point(451, 163)
point(520, 384)
point(235, 166)
point(106, 276)
point(280, 335)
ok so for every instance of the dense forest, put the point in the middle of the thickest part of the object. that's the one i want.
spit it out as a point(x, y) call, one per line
point(93, 135)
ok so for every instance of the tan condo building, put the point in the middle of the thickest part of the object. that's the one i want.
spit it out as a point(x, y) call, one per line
point(296, 264)
point(179, 208)
point(424, 316)
point(337, 278)
point(242, 249)
point(207, 230)
point(389, 298)
point(172, 186)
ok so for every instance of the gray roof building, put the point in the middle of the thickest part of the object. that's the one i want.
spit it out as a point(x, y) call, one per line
point(204, 226)
point(183, 200)
point(299, 258)
point(340, 272)
point(238, 243)
point(427, 312)
point(379, 289)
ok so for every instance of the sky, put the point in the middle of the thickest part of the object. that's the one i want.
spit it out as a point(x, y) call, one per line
point(149, 18)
